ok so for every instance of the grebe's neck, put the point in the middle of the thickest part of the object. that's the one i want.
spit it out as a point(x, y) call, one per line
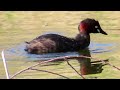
point(82, 35)
point(82, 40)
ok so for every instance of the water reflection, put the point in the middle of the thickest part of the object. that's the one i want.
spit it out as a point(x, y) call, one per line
point(86, 67)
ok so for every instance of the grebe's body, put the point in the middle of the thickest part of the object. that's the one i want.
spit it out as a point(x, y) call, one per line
point(51, 43)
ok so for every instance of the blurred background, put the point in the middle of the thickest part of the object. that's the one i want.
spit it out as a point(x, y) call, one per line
point(16, 27)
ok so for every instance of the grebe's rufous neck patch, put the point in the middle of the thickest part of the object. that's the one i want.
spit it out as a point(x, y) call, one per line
point(83, 27)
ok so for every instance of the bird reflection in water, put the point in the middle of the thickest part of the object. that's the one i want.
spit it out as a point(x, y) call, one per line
point(86, 67)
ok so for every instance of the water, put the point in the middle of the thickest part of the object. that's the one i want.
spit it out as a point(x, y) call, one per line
point(100, 48)
point(24, 26)
point(17, 52)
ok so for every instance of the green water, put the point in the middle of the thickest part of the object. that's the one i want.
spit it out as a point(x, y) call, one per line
point(18, 27)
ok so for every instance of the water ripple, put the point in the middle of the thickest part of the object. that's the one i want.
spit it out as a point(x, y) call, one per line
point(17, 52)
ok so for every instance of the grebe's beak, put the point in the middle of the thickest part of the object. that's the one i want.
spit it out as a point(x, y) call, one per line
point(103, 32)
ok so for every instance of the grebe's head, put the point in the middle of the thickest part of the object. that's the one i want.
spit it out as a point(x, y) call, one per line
point(90, 26)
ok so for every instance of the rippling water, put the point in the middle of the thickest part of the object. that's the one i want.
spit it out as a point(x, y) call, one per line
point(17, 52)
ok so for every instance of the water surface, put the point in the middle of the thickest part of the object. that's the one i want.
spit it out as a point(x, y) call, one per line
point(17, 52)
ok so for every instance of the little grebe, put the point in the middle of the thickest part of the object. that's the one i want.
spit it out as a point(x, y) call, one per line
point(51, 43)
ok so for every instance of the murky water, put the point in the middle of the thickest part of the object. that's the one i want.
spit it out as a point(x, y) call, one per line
point(17, 52)
point(101, 48)
point(17, 27)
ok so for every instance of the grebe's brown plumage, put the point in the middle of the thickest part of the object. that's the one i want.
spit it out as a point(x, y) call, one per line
point(51, 43)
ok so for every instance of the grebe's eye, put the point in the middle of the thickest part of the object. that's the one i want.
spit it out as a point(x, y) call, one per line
point(96, 26)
